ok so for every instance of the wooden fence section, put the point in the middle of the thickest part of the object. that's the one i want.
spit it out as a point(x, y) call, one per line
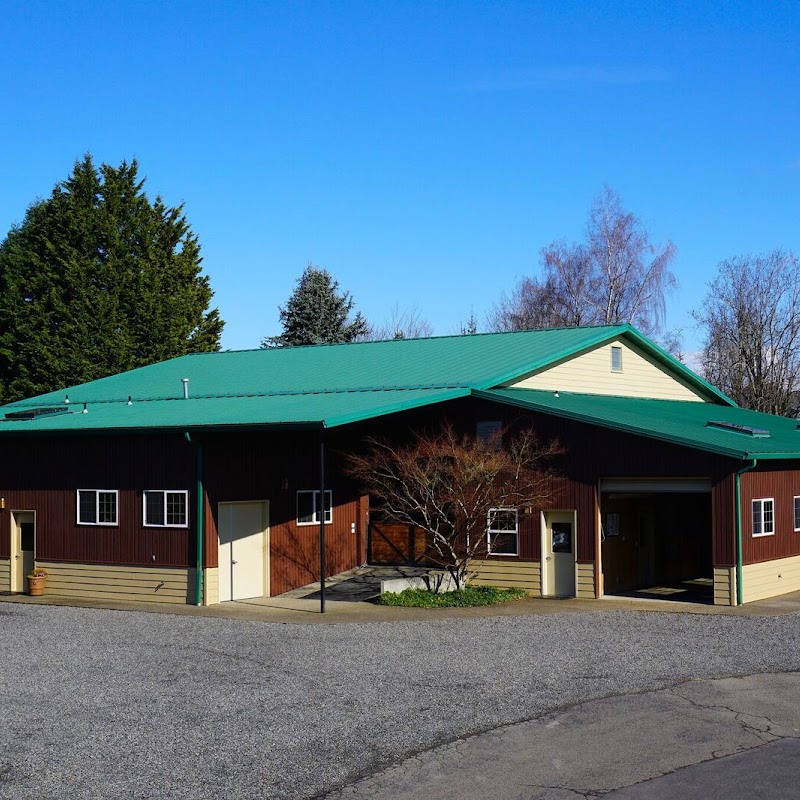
point(394, 544)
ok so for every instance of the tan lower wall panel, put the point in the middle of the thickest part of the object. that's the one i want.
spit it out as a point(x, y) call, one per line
point(5, 575)
point(211, 586)
point(117, 583)
point(104, 570)
point(771, 578)
point(724, 586)
point(585, 586)
point(99, 594)
point(145, 580)
point(65, 587)
point(524, 574)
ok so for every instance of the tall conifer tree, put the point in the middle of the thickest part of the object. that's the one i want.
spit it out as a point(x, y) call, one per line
point(318, 313)
point(96, 280)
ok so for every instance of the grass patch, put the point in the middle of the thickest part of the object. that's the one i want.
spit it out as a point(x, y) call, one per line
point(463, 598)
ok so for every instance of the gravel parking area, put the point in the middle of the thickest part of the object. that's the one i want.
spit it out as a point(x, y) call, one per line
point(111, 704)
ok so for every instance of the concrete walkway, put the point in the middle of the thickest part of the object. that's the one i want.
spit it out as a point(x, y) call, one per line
point(350, 598)
point(736, 738)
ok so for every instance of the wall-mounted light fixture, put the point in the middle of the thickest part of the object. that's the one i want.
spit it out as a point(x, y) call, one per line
point(2, 503)
point(284, 484)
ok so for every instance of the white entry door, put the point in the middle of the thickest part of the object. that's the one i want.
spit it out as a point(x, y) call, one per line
point(23, 546)
point(558, 553)
point(243, 550)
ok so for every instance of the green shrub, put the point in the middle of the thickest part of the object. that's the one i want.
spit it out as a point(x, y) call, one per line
point(468, 596)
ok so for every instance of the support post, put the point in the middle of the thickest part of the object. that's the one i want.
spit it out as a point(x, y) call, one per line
point(200, 513)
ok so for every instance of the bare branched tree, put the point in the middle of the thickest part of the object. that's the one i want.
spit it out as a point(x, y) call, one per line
point(407, 323)
point(617, 275)
point(470, 326)
point(446, 483)
point(751, 317)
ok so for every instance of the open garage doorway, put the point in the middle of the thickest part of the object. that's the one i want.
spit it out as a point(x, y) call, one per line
point(657, 540)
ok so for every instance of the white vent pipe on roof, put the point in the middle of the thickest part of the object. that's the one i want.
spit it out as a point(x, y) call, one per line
point(185, 382)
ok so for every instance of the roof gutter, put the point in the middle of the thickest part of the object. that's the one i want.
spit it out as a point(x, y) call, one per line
point(200, 492)
point(739, 558)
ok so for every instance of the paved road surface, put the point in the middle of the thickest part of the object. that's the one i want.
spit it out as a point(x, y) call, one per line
point(116, 704)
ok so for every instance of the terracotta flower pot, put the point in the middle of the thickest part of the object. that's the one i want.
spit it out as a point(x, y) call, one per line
point(36, 585)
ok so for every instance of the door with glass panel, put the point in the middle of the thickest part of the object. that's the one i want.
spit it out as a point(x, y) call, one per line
point(558, 553)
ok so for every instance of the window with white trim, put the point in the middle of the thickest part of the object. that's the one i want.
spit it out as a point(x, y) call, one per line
point(502, 531)
point(616, 358)
point(308, 507)
point(98, 506)
point(166, 508)
point(797, 513)
point(763, 517)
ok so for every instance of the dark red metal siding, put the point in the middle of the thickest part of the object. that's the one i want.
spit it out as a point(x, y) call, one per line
point(782, 485)
point(723, 516)
point(43, 475)
point(589, 454)
point(275, 467)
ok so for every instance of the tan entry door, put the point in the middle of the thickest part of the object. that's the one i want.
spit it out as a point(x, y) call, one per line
point(23, 547)
point(243, 551)
point(558, 551)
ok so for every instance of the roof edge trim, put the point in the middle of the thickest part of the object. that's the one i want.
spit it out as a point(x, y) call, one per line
point(546, 409)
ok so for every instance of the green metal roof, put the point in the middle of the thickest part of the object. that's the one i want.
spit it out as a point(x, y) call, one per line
point(321, 385)
point(313, 410)
point(727, 430)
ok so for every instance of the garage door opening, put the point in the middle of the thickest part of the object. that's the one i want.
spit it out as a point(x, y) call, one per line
point(657, 544)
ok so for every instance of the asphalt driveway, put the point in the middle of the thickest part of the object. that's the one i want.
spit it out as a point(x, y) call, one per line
point(108, 704)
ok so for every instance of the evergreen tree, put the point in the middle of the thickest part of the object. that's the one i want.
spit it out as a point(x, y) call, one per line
point(96, 280)
point(318, 313)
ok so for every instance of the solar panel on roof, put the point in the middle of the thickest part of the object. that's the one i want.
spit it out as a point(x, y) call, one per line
point(33, 413)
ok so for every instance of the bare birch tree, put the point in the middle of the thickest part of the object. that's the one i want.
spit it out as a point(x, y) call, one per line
point(446, 484)
point(751, 317)
point(402, 323)
point(617, 275)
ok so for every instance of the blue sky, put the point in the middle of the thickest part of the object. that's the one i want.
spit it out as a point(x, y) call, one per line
point(423, 152)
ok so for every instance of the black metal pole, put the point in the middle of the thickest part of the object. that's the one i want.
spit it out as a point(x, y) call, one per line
point(321, 512)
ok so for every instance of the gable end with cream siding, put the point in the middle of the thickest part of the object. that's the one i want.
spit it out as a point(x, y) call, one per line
point(591, 373)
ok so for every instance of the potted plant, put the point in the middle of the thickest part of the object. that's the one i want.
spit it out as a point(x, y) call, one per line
point(36, 581)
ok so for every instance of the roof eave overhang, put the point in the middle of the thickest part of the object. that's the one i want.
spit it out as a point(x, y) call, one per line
point(530, 405)
point(259, 426)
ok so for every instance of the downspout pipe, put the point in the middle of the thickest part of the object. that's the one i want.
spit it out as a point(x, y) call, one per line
point(739, 557)
point(200, 492)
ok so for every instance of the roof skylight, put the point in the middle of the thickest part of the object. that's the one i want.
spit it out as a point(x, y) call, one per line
point(747, 430)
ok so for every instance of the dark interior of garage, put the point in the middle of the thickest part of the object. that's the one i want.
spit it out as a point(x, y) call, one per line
point(657, 545)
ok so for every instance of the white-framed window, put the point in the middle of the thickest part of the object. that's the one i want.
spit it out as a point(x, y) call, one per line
point(308, 507)
point(489, 433)
point(502, 530)
point(98, 506)
point(797, 513)
point(165, 508)
point(616, 358)
point(763, 517)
